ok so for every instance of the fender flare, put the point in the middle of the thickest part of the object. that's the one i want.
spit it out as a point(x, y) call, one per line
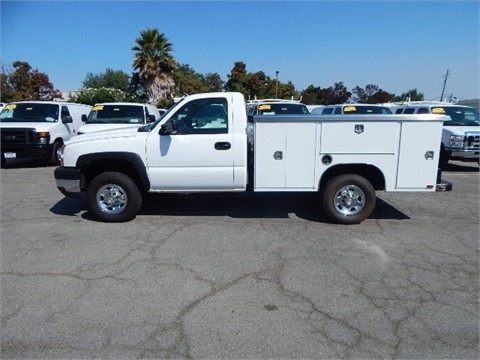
point(134, 159)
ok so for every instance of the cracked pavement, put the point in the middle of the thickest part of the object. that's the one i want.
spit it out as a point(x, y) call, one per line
point(234, 276)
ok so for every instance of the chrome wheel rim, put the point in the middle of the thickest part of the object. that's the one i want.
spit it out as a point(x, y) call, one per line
point(349, 200)
point(111, 199)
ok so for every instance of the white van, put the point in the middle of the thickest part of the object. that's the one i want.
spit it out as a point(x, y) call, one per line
point(114, 115)
point(37, 129)
point(361, 109)
point(460, 135)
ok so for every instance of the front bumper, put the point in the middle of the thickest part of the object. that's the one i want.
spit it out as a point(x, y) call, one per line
point(464, 154)
point(69, 181)
point(28, 151)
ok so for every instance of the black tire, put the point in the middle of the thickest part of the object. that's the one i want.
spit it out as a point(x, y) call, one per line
point(348, 199)
point(54, 160)
point(443, 161)
point(113, 197)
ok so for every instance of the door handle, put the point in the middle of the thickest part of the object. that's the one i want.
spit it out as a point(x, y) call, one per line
point(222, 145)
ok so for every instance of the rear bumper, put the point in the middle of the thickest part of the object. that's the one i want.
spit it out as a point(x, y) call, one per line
point(69, 181)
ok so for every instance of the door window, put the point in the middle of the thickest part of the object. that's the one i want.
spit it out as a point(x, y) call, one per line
point(202, 116)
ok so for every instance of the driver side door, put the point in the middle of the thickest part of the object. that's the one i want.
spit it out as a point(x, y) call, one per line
point(197, 154)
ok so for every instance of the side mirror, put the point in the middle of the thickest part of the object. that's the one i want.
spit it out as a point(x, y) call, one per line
point(151, 118)
point(84, 118)
point(167, 129)
point(67, 119)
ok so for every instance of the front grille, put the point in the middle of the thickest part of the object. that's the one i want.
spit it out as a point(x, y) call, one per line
point(472, 141)
point(17, 136)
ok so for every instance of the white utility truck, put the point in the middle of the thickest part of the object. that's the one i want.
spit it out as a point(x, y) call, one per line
point(200, 145)
point(36, 129)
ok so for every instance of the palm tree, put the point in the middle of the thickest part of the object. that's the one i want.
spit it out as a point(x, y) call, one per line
point(154, 63)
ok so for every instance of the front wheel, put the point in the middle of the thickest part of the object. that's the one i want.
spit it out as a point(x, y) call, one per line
point(113, 197)
point(348, 199)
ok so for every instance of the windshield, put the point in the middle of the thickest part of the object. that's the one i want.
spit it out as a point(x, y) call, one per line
point(116, 114)
point(276, 109)
point(365, 109)
point(459, 115)
point(29, 112)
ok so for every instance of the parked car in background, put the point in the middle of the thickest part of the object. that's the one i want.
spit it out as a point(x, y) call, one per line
point(276, 107)
point(37, 129)
point(113, 115)
point(365, 109)
point(460, 135)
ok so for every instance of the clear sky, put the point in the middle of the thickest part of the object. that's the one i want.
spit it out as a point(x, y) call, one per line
point(397, 45)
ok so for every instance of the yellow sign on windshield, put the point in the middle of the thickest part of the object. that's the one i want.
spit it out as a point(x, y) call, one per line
point(10, 106)
point(349, 109)
point(438, 110)
point(264, 107)
point(97, 107)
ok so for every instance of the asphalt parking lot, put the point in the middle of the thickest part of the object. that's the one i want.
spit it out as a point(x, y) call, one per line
point(232, 276)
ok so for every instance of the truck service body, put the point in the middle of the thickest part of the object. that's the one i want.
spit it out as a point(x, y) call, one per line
point(200, 145)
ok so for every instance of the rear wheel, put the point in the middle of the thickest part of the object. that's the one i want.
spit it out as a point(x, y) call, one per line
point(113, 197)
point(443, 161)
point(348, 199)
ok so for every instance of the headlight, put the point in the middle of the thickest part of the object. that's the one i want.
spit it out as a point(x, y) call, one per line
point(43, 137)
point(456, 141)
point(60, 152)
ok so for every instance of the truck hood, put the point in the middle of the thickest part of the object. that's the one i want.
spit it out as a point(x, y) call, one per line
point(129, 132)
point(89, 128)
point(460, 130)
point(38, 126)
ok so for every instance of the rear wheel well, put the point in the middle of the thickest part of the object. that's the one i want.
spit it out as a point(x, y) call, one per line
point(369, 172)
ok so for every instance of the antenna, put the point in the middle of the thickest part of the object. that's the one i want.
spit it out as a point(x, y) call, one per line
point(444, 84)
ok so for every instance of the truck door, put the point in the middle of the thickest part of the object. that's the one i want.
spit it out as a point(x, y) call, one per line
point(198, 154)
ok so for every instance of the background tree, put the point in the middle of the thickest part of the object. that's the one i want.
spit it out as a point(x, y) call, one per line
point(336, 94)
point(25, 83)
point(412, 95)
point(91, 96)
point(110, 86)
point(238, 79)
point(371, 94)
point(154, 63)
point(114, 79)
point(188, 81)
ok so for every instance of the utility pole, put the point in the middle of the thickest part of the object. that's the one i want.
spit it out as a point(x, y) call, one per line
point(276, 84)
point(444, 84)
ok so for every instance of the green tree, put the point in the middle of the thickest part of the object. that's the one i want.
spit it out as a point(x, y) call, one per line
point(238, 79)
point(410, 95)
point(92, 96)
point(371, 94)
point(188, 81)
point(25, 83)
point(154, 63)
point(114, 79)
point(336, 94)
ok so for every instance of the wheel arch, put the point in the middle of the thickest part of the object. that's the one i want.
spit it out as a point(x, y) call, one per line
point(128, 163)
point(370, 172)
